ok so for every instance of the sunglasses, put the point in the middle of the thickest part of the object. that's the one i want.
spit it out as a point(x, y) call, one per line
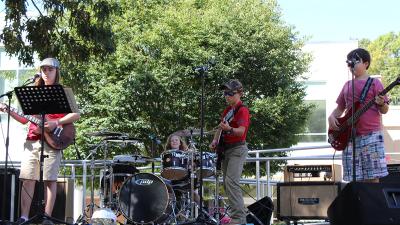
point(229, 93)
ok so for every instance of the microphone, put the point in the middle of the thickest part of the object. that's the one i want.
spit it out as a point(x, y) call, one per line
point(352, 62)
point(37, 75)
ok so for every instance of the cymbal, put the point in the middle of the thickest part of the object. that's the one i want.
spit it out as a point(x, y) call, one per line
point(122, 139)
point(105, 133)
point(191, 132)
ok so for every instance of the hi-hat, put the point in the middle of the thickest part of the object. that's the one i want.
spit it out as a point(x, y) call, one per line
point(105, 133)
point(191, 132)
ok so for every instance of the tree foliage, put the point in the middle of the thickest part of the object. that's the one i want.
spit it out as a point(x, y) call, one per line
point(147, 86)
point(69, 30)
point(385, 53)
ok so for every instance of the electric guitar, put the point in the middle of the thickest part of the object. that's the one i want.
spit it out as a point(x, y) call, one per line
point(59, 138)
point(340, 138)
point(220, 144)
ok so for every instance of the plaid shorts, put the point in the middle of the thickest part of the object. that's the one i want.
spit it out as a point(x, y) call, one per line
point(370, 158)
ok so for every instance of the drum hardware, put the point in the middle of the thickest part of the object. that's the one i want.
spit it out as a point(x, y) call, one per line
point(145, 198)
point(122, 139)
point(104, 216)
point(174, 165)
point(105, 133)
point(190, 132)
point(92, 176)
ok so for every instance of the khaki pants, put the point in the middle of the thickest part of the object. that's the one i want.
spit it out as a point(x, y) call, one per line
point(232, 167)
point(30, 162)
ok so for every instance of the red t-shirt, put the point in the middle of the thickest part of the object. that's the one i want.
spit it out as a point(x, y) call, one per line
point(32, 127)
point(241, 118)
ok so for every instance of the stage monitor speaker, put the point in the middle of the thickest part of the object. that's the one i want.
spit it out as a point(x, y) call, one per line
point(64, 205)
point(260, 212)
point(394, 174)
point(366, 204)
point(12, 192)
point(305, 200)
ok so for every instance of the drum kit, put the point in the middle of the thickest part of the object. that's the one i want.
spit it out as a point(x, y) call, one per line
point(129, 196)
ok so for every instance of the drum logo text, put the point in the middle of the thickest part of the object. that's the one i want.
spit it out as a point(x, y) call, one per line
point(144, 182)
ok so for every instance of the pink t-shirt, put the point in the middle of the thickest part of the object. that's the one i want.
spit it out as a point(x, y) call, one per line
point(371, 119)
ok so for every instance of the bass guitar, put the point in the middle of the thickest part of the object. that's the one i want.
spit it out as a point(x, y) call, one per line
point(340, 138)
point(59, 138)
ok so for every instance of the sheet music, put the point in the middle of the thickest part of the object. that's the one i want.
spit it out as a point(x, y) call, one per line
point(71, 100)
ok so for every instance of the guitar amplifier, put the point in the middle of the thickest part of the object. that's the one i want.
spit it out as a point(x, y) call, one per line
point(320, 173)
point(305, 200)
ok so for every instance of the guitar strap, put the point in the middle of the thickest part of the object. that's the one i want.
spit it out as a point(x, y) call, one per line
point(231, 114)
point(365, 89)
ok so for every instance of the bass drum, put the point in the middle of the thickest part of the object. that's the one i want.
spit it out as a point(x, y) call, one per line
point(145, 198)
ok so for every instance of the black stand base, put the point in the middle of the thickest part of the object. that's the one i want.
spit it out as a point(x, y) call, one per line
point(39, 218)
point(202, 219)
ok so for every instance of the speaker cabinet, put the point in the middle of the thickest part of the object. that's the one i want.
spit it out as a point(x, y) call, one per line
point(305, 200)
point(260, 212)
point(12, 193)
point(367, 204)
point(64, 204)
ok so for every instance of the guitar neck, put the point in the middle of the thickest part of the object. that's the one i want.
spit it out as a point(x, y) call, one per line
point(370, 103)
point(28, 117)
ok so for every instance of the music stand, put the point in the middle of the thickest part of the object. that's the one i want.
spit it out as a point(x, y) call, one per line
point(42, 100)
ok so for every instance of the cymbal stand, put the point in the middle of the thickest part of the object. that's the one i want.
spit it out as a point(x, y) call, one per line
point(192, 149)
point(216, 197)
point(92, 176)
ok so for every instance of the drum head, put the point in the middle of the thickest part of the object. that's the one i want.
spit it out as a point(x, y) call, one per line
point(143, 198)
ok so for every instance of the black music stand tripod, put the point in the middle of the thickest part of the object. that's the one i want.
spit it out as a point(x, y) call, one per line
point(42, 100)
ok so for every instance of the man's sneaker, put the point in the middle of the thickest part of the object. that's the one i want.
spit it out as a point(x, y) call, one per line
point(19, 221)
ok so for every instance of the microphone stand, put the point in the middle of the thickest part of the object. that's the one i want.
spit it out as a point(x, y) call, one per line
point(203, 217)
point(3, 209)
point(353, 128)
point(9, 96)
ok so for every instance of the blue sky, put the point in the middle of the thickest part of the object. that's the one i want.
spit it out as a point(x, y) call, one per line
point(341, 20)
point(338, 20)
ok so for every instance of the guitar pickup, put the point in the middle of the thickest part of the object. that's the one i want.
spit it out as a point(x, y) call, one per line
point(58, 131)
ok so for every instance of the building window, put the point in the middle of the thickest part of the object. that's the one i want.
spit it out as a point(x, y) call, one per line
point(316, 130)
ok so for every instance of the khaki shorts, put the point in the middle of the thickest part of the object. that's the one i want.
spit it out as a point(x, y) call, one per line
point(30, 163)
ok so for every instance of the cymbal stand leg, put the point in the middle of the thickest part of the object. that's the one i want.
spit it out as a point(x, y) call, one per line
point(104, 176)
point(192, 201)
point(92, 177)
point(216, 197)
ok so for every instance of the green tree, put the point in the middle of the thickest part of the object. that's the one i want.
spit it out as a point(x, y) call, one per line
point(148, 86)
point(385, 53)
point(69, 30)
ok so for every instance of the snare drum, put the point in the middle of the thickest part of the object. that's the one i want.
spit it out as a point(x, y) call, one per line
point(174, 165)
point(145, 198)
point(208, 164)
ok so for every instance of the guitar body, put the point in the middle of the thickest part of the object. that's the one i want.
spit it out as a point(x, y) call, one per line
point(340, 138)
point(219, 150)
point(61, 137)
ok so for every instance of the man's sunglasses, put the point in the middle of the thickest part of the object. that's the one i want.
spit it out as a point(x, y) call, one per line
point(229, 93)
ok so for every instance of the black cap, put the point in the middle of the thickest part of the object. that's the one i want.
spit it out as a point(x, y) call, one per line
point(232, 85)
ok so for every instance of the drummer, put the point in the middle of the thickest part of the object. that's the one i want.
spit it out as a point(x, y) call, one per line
point(175, 142)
